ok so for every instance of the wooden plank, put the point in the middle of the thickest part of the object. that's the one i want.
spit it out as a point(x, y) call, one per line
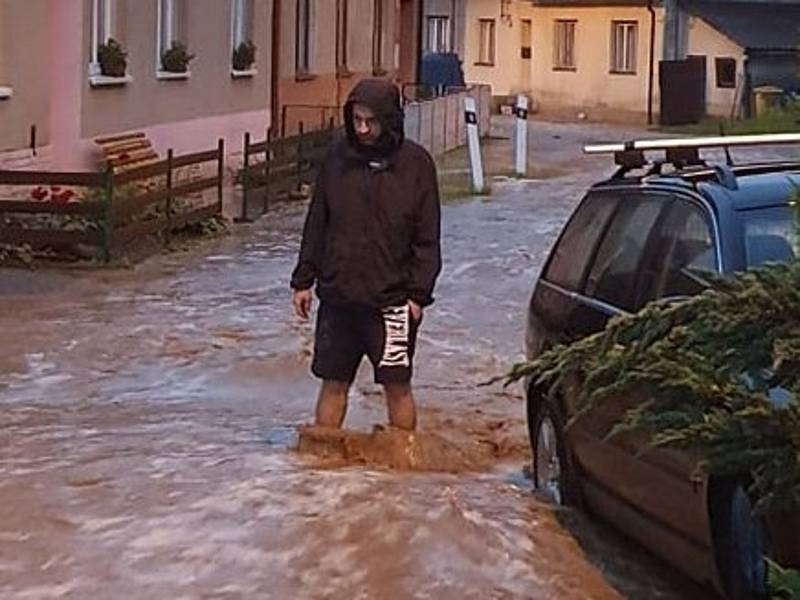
point(52, 178)
point(195, 186)
point(143, 172)
point(258, 148)
point(122, 147)
point(72, 208)
point(124, 209)
point(44, 238)
point(195, 158)
point(130, 158)
point(119, 137)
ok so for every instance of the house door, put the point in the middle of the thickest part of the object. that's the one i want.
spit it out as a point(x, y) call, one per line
point(526, 53)
point(683, 90)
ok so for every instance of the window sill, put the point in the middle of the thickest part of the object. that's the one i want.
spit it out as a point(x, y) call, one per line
point(379, 72)
point(172, 76)
point(106, 81)
point(344, 73)
point(305, 77)
point(566, 69)
point(6, 92)
point(484, 64)
point(244, 73)
point(622, 73)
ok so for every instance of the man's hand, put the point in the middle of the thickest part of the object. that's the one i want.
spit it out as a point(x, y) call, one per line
point(416, 310)
point(302, 301)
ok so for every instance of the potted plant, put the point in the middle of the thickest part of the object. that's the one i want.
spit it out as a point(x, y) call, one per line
point(244, 56)
point(112, 58)
point(176, 59)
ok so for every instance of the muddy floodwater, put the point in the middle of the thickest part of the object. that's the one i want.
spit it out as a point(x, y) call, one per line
point(149, 417)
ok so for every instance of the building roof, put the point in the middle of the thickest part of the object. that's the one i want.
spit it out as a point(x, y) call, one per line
point(753, 25)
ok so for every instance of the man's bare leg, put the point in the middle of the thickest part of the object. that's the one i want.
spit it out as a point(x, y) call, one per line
point(332, 403)
point(402, 410)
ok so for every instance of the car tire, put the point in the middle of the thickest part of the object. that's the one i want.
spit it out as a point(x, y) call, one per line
point(553, 470)
point(741, 545)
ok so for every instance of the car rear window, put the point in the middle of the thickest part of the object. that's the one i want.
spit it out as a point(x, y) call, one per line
point(576, 245)
point(770, 235)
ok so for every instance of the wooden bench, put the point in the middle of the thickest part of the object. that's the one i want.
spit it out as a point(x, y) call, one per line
point(127, 151)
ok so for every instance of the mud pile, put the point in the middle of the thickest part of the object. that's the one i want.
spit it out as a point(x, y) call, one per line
point(389, 448)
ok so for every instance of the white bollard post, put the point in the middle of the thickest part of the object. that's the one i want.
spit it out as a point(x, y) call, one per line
point(521, 112)
point(473, 141)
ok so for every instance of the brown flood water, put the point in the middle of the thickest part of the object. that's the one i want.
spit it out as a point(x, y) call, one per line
point(149, 415)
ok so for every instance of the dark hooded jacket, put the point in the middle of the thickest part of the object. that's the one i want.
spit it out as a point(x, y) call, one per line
point(371, 237)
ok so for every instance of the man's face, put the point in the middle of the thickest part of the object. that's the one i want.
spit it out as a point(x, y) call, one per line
point(366, 124)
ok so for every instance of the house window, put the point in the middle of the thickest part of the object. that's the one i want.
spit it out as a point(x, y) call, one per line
point(564, 51)
point(624, 37)
point(486, 48)
point(242, 22)
point(525, 43)
point(726, 72)
point(377, 37)
point(303, 38)
point(103, 16)
point(170, 21)
point(341, 35)
point(438, 34)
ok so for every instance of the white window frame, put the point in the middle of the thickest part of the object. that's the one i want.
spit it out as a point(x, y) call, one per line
point(564, 55)
point(304, 68)
point(487, 48)
point(624, 47)
point(167, 29)
point(101, 32)
point(6, 91)
point(242, 30)
point(437, 37)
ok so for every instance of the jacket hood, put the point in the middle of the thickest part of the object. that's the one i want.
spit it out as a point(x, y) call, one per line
point(383, 98)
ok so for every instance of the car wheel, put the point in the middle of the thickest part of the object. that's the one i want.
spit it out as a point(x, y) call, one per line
point(741, 547)
point(554, 475)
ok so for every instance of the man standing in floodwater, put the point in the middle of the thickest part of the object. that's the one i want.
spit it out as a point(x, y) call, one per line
point(371, 245)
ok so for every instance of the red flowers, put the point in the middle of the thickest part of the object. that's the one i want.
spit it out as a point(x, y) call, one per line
point(39, 193)
point(55, 194)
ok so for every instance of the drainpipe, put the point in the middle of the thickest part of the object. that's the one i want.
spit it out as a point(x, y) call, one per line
point(420, 39)
point(453, 9)
point(275, 67)
point(651, 73)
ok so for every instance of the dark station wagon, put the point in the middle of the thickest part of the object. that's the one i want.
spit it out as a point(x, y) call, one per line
point(648, 233)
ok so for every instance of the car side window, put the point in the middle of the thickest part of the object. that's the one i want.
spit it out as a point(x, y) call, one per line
point(614, 274)
point(576, 245)
point(687, 250)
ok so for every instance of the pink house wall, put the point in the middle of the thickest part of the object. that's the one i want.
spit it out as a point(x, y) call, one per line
point(68, 74)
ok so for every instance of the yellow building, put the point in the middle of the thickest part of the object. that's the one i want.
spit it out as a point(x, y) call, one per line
point(605, 58)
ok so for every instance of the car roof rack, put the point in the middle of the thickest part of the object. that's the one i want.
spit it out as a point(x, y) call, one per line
point(684, 152)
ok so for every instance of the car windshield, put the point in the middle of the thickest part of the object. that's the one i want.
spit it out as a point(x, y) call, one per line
point(771, 235)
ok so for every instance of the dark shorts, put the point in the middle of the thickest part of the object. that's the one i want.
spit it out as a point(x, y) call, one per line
point(344, 335)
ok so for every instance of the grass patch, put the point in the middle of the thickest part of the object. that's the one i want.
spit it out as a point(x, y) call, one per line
point(785, 120)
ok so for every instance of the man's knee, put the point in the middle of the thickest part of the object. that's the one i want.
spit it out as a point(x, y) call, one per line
point(332, 387)
point(396, 392)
